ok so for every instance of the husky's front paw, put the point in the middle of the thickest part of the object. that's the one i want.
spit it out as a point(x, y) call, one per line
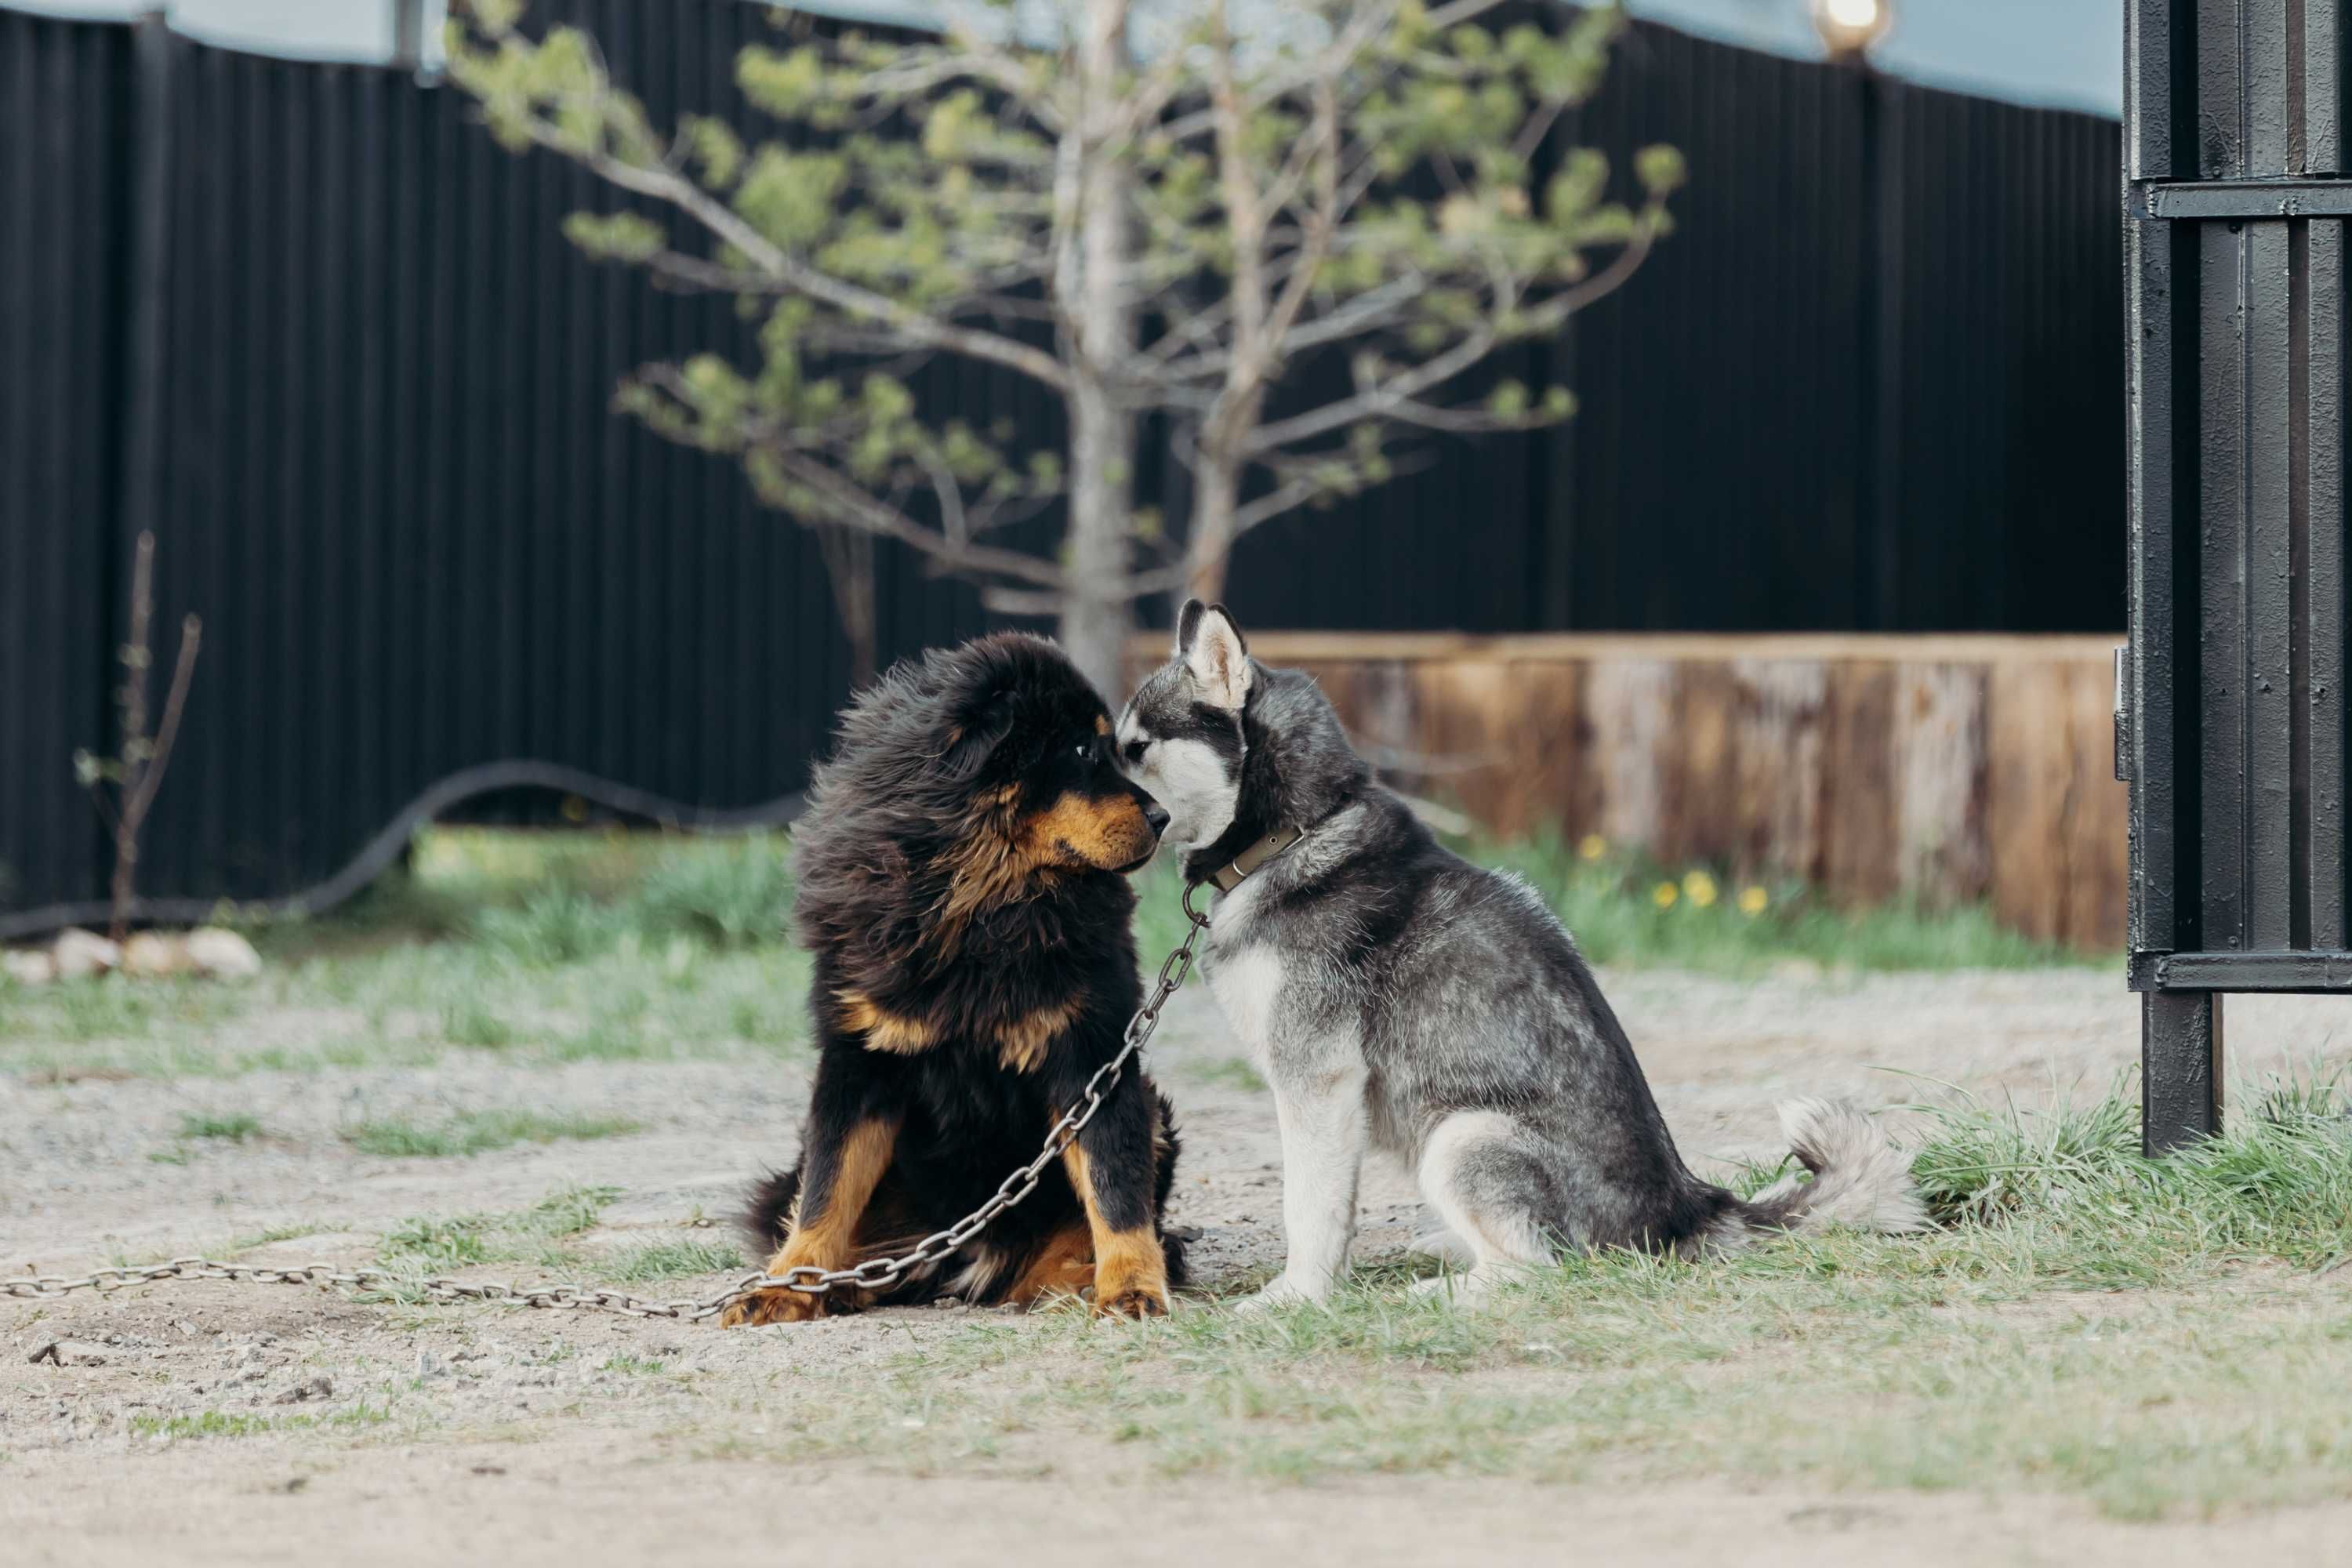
point(1474, 1288)
point(1283, 1292)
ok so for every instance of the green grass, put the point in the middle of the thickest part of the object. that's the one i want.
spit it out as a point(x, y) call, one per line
point(469, 1021)
point(239, 1127)
point(2275, 1186)
point(681, 1259)
point(234, 1128)
point(429, 1245)
point(243, 1423)
point(2147, 1336)
point(1632, 911)
point(477, 1133)
point(556, 947)
point(268, 1235)
point(547, 947)
point(1629, 909)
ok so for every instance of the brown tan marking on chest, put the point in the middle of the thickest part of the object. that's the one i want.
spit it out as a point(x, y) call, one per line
point(884, 1030)
point(1021, 1042)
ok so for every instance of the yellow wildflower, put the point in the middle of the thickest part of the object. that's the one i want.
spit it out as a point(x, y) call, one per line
point(1752, 901)
point(1700, 889)
point(1591, 846)
point(1664, 895)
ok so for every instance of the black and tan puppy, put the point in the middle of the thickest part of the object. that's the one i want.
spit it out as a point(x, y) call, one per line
point(960, 886)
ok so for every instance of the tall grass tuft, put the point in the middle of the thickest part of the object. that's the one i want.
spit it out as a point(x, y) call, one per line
point(2275, 1185)
point(557, 926)
point(730, 892)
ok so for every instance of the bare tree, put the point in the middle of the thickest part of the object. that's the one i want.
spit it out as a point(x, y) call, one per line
point(136, 770)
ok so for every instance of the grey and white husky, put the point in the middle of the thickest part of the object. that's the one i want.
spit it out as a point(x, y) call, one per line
point(1398, 998)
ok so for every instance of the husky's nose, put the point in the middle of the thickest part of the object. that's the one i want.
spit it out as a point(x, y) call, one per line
point(1157, 817)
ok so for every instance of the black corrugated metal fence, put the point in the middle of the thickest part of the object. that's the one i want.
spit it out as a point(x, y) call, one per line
point(314, 328)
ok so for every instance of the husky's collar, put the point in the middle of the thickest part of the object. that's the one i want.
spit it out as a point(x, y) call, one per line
point(1229, 876)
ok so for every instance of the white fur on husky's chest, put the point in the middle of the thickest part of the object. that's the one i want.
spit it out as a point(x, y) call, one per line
point(1248, 987)
point(1245, 976)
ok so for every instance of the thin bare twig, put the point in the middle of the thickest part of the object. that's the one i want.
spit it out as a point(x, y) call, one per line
point(140, 761)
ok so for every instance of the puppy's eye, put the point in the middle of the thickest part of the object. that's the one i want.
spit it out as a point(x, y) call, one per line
point(1133, 751)
point(1086, 749)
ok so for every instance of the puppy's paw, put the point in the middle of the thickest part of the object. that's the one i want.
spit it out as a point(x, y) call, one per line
point(1130, 1274)
point(777, 1306)
point(1137, 1298)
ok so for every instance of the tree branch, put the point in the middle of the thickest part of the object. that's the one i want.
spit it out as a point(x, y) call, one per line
point(665, 185)
point(1386, 400)
point(854, 507)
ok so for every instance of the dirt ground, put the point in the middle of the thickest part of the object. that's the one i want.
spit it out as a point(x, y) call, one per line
point(383, 1432)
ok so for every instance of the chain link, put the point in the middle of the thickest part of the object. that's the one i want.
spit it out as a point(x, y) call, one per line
point(875, 1274)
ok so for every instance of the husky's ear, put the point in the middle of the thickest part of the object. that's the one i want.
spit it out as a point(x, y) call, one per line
point(1215, 655)
point(1188, 626)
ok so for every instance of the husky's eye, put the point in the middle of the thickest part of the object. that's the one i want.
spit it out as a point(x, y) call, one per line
point(1133, 751)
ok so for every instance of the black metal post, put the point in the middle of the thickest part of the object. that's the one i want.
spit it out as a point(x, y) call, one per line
point(2235, 726)
point(2180, 1069)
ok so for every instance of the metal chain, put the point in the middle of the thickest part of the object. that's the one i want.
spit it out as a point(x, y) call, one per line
point(875, 1274)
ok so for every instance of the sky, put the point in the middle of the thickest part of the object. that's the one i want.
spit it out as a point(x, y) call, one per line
point(2067, 53)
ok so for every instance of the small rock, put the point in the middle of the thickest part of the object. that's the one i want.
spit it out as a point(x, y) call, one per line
point(29, 966)
point(319, 1387)
point(69, 1352)
point(221, 954)
point(187, 1328)
point(428, 1365)
point(150, 955)
point(76, 954)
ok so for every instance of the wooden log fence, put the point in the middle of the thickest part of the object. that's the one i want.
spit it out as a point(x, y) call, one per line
point(1949, 769)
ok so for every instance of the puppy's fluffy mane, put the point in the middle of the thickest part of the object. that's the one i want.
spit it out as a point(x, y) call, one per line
point(919, 796)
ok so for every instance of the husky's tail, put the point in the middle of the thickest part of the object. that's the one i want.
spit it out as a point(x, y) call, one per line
point(1859, 1177)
